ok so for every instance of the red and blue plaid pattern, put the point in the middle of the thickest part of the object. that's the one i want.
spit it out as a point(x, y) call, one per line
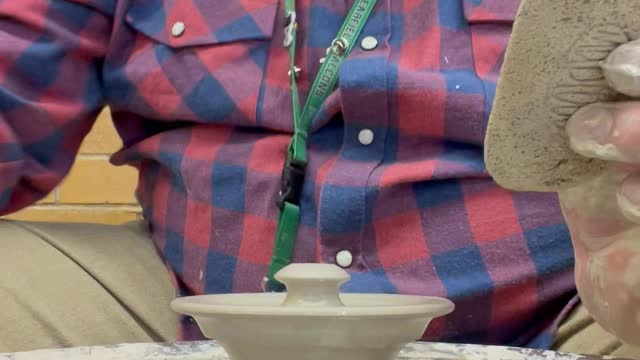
point(206, 118)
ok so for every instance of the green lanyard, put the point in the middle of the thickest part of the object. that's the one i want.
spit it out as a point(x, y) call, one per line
point(294, 169)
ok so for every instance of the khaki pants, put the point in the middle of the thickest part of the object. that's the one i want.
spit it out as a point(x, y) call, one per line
point(64, 285)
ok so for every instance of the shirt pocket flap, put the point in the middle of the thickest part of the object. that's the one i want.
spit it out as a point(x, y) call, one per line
point(180, 23)
point(491, 10)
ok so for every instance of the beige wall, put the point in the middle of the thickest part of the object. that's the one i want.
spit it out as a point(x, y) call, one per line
point(94, 190)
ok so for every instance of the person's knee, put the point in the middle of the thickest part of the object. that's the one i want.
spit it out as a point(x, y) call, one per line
point(81, 284)
point(627, 352)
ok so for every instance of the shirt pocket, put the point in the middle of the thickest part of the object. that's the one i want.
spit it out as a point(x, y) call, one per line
point(197, 60)
point(490, 23)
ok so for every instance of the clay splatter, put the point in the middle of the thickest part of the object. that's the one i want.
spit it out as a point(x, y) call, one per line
point(209, 350)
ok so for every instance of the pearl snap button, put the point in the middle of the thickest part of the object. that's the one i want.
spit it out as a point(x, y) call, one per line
point(297, 72)
point(344, 259)
point(178, 29)
point(365, 137)
point(369, 43)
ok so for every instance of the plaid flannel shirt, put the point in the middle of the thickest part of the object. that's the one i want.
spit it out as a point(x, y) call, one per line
point(205, 115)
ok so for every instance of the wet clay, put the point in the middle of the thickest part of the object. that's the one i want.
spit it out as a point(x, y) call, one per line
point(552, 68)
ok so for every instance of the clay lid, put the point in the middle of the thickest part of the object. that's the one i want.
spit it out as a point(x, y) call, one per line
point(312, 320)
point(312, 284)
point(312, 290)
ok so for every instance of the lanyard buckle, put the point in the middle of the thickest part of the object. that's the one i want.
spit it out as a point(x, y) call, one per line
point(291, 183)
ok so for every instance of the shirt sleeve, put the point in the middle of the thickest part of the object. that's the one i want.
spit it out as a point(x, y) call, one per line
point(51, 53)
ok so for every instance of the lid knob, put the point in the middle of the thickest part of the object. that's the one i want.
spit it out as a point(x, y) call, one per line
point(312, 284)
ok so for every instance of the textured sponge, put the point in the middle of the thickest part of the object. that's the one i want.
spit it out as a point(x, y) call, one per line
point(552, 69)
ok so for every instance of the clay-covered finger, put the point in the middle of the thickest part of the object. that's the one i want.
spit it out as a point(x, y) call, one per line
point(629, 198)
point(607, 131)
point(622, 69)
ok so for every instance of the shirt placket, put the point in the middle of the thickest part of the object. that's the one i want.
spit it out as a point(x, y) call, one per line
point(345, 199)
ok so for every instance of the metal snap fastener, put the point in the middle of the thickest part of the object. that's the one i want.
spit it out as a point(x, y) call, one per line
point(339, 46)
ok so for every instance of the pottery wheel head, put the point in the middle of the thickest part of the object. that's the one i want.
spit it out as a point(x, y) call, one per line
point(552, 68)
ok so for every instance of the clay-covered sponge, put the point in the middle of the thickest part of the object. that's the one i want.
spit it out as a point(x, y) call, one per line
point(552, 68)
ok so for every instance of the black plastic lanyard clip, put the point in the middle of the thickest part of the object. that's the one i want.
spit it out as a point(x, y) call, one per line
point(269, 286)
point(291, 183)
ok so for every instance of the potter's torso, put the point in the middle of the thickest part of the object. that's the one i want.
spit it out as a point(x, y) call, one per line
point(396, 182)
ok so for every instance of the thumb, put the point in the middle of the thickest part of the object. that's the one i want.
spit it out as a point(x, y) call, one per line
point(607, 131)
